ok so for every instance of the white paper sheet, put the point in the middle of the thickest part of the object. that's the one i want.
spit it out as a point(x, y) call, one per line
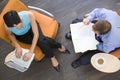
point(83, 37)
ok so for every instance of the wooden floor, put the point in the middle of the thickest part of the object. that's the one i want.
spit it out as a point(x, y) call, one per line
point(64, 11)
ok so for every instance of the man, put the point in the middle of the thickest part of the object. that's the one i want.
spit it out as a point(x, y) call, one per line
point(106, 29)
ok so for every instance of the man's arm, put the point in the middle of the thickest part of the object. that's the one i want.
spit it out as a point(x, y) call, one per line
point(99, 13)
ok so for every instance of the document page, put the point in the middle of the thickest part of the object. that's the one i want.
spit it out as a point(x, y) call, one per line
point(83, 37)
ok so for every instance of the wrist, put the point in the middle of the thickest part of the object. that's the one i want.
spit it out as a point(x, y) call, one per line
point(30, 51)
point(18, 46)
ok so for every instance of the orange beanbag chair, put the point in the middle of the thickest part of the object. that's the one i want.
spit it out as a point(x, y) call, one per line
point(48, 25)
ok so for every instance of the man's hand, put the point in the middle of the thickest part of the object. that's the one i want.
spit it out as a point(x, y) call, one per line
point(27, 56)
point(86, 21)
point(18, 52)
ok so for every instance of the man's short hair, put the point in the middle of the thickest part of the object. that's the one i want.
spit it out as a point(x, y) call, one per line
point(102, 26)
point(11, 18)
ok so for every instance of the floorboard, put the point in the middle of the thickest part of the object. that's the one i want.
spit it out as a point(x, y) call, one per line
point(64, 11)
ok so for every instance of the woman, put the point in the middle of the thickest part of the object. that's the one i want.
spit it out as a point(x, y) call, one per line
point(23, 27)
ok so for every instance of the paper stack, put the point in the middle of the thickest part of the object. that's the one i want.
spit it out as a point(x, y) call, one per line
point(83, 37)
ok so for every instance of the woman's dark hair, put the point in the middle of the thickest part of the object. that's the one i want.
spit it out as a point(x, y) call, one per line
point(102, 26)
point(11, 17)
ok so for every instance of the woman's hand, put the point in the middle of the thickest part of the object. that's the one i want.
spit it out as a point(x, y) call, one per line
point(86, 21)
point(18, 52)
point(27, 56)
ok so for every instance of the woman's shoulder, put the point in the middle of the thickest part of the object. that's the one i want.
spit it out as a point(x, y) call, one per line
point(25, 13)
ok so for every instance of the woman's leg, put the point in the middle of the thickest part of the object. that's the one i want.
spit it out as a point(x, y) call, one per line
point(54, 61)
point(47, 50)
point(56, 45)
point(55, 64)
point(51, 42)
